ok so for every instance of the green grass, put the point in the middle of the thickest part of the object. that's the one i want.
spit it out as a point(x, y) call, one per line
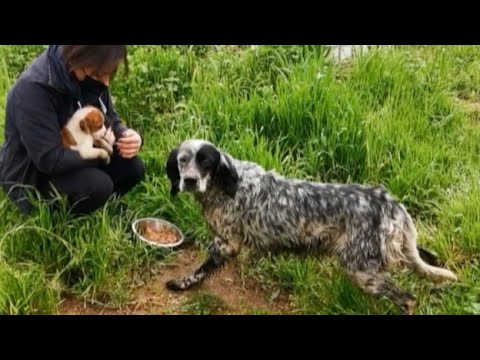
point(396, 116)
point(26, 289)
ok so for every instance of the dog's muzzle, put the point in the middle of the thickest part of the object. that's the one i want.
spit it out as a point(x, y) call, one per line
point(190, 184)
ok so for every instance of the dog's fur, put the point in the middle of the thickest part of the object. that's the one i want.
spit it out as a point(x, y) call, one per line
point(243, 204)
point(84, 130)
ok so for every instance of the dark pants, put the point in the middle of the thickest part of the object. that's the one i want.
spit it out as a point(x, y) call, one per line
point(89, 189)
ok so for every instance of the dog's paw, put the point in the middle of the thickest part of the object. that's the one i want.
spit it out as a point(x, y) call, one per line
point(103, 154)
point(109, 149)
point(174, 285)
point(408, 304)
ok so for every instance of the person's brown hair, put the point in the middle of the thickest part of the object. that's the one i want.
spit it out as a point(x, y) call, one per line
point(104, 58)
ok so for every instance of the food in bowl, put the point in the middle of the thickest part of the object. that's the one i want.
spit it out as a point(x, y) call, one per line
point(161, 236)
point(157, 232)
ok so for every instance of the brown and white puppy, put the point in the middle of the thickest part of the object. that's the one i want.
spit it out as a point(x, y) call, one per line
point(84, 130)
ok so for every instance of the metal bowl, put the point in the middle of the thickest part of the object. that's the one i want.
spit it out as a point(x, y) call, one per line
point(139, 225)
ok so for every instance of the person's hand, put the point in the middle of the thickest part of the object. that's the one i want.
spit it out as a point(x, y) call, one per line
point(129, 144)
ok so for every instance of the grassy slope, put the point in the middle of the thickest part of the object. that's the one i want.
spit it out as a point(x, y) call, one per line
point(405, 117)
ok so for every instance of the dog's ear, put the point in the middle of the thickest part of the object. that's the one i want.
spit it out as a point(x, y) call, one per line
point(83, 126)
point(227, 176)
point(172, 172)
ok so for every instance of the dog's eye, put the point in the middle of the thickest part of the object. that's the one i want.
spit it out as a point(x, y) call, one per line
point(182, 160)
point(202, 160)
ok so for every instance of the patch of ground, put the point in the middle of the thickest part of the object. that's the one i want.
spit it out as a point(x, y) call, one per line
point(225, 293)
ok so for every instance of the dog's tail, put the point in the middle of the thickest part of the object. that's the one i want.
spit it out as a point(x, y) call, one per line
point(423, 261)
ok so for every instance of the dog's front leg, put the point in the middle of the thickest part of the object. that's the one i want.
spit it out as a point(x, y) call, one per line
point(219, 252)
point(103, 144)
point(88, 153)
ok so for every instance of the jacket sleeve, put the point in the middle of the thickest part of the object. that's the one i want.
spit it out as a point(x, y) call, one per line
point(39, 129)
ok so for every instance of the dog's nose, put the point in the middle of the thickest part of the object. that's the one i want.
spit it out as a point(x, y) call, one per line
point(190, 182)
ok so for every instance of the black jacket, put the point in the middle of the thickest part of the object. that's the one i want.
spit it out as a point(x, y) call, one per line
point(39, 104)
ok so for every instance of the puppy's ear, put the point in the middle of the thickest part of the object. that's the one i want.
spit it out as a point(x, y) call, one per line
point(172, 172)
point(83, 126)
point(226, 176)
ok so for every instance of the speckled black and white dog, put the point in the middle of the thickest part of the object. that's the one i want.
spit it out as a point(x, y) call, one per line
point(243, 204)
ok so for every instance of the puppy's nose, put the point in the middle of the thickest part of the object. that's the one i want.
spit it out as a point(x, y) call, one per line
point(190, 182)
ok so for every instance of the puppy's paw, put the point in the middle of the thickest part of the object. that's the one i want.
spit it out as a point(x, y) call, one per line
point(109, 148)
point(103, 144)
point(175, 285)
point(104, 156)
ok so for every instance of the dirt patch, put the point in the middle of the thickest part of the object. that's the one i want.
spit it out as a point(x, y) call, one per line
point(227, 292)
point(472, 108)
point(469, 106)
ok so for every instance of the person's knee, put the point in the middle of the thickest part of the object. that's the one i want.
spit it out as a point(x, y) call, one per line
point(134, 174)
point(102, 188)
point(95, 189)
point(138, 170)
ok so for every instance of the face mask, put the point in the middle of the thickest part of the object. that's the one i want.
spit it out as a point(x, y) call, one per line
point(91, 90)
point(90, 85)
